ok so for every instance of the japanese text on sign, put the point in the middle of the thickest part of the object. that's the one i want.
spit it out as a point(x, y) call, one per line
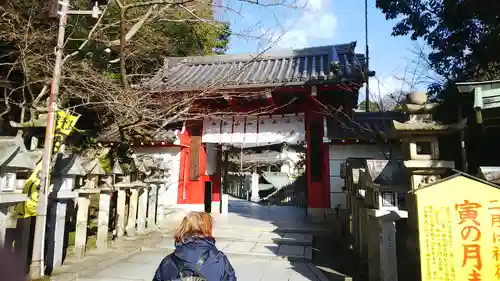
point(471, 234)
point(459, 230)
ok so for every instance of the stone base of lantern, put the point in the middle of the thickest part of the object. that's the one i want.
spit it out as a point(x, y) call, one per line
point(385, 268)
point(83, 204)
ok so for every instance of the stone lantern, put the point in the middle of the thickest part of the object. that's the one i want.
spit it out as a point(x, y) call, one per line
point(14, 158)
point(384, 180)
point(420, 136)
point(94, 171)
point(66, 170)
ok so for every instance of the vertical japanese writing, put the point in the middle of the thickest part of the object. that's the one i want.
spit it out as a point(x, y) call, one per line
point(494, 210)
point(438, 240)
point(471, 235)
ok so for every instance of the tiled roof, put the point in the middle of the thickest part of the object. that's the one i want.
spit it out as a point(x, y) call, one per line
point(287, 67)
point(112, 134)
point(363, 125)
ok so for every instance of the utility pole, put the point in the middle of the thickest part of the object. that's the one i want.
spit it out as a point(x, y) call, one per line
point(37, 268)
point(367, 71)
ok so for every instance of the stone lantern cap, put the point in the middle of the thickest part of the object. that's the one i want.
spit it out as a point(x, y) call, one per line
point(420, 118)
point(39, 122)
point(69, 165)
point(491, 174)
point(14, 155)
point(140, 166)
point(387, 175)
point(117, 169)
point(93, 167)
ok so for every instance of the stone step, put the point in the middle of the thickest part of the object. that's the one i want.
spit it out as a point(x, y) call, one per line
point(318, 231)
point(279, 237)
point(255, 249)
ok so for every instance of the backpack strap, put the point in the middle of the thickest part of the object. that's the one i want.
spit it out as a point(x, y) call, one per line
point(197, 269)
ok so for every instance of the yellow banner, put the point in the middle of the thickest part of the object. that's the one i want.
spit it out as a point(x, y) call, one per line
point(64, 124)
point(459, 230)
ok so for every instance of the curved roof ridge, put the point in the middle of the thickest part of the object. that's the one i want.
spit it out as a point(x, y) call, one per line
point(272, 54)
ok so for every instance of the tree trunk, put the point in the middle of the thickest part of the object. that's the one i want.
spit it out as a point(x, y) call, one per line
point(123, 69)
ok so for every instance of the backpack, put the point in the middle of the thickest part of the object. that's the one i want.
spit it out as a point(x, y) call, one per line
point(196, 275)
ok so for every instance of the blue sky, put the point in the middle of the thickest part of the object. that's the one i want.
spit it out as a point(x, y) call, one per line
point(323, 22)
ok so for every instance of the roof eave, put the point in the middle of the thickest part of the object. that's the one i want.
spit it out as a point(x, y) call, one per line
point(329, 82)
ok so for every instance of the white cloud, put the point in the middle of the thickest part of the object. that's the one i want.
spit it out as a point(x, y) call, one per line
point(384, 86)
point(316, 21)
point(388, 91)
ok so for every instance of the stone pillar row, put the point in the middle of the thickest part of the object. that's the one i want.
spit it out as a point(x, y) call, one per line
point(143, 214)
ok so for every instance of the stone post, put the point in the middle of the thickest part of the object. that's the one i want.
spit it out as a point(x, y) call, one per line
point(56, 233)
point(103, 218)
point(132, 211)
point(8, 199)
point(255, 185)
point(4, 212)
point(152, 199)
point(142, 210)
point(83, 203)
point(120, 210)
point(23, 230)
point(388, 257)
point(224, 204)
point(160, 210)
point(60, 197)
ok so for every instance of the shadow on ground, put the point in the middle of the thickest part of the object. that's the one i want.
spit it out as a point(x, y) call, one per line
point(331, 255)
point(335, 260)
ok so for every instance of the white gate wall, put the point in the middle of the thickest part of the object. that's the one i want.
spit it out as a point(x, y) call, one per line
point(255, 131)
point(339, 154)
point(171, 156)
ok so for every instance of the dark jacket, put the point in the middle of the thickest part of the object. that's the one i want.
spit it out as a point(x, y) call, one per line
point(216, 266)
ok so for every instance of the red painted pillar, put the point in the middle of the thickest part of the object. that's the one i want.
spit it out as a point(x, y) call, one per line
point(318, 194)
point(216, 178)
point(191, 190)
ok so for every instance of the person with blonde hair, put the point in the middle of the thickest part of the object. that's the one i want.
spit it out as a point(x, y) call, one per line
point(195, 257)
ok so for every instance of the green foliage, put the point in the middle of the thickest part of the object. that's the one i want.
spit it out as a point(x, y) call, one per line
point(463, 34)
point(28, 36)
point(464, 40)
point(373, 106)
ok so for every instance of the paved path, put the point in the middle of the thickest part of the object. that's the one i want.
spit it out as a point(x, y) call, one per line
point(263, 243)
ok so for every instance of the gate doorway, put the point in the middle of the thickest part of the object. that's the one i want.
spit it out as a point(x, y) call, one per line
point(208, 197)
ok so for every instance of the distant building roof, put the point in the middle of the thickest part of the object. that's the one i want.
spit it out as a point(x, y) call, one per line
point(277, 179)
point(286, 67)
point(363, 125)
